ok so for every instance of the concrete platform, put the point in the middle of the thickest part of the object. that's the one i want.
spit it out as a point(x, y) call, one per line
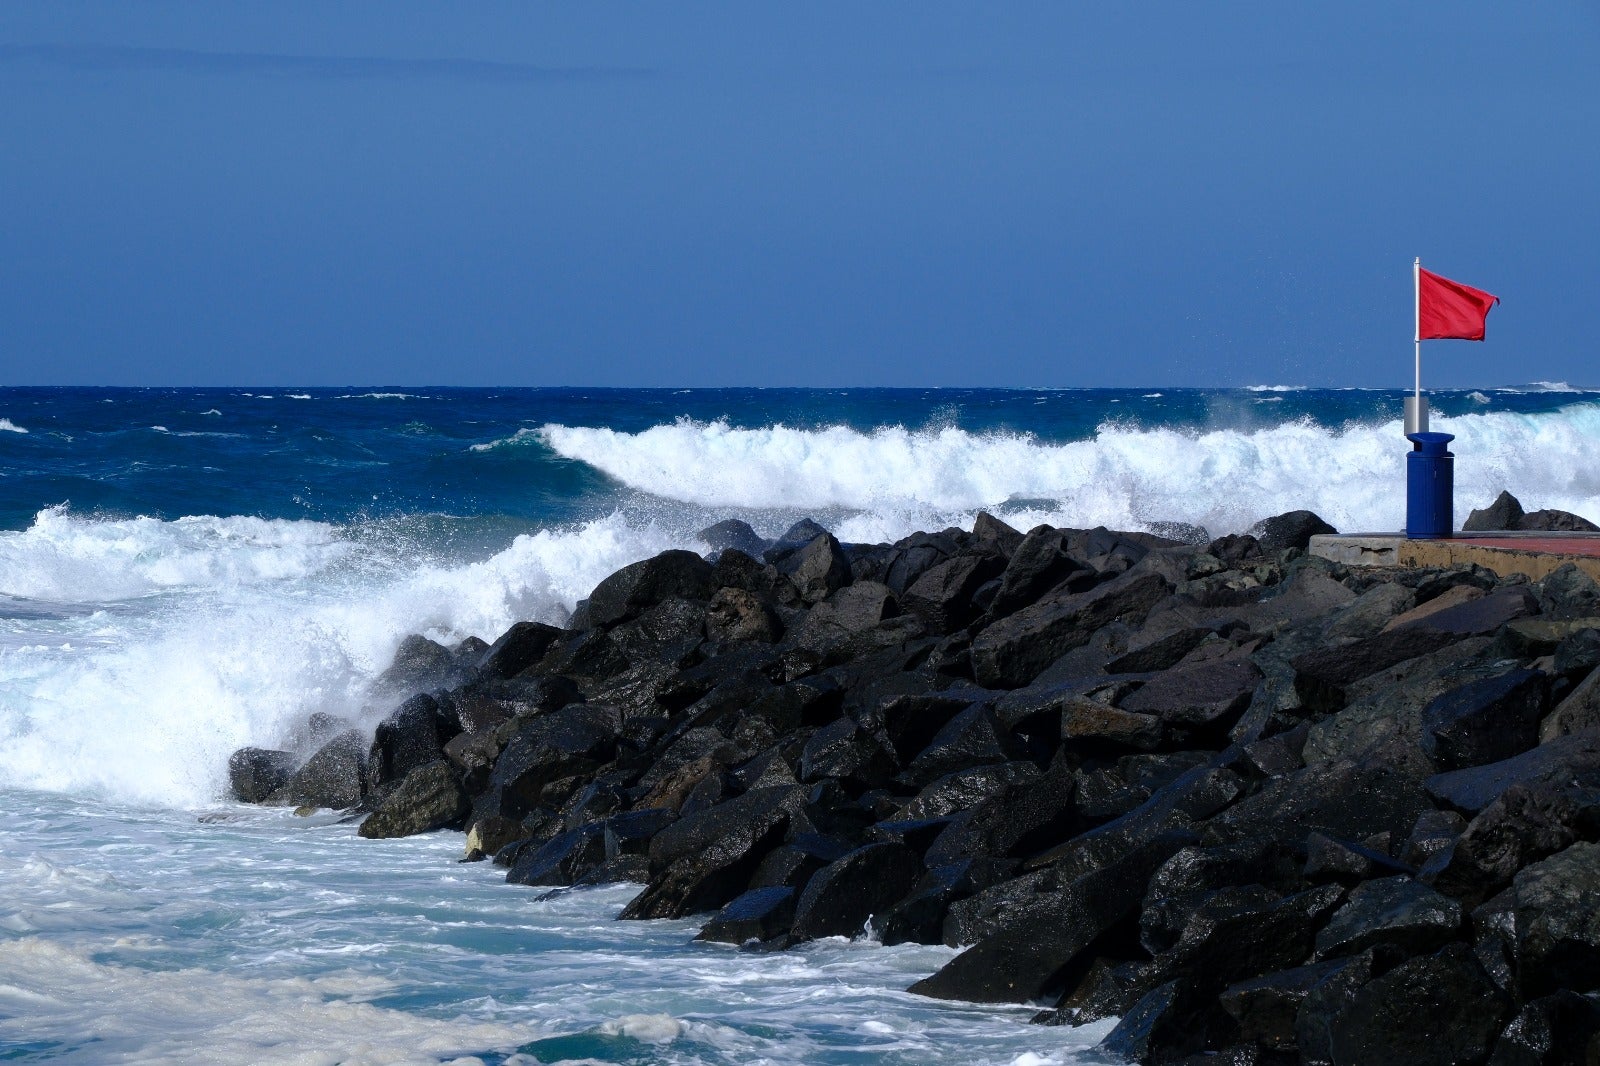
point(1505, 553)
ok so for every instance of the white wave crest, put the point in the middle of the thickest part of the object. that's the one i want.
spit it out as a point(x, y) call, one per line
point(516, 438)
point(1123, 477)
point(146, 705)
point(8, 426)
point(68, 559)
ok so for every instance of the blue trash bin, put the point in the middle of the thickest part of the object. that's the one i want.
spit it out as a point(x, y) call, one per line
point(1430, 486)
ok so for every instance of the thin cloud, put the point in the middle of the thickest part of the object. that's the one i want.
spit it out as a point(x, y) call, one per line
point(184, 60)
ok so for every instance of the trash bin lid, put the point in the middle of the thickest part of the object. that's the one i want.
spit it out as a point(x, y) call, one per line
point(1431, 443)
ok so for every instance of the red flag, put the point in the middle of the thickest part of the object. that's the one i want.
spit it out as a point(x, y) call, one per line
point(1448, 309)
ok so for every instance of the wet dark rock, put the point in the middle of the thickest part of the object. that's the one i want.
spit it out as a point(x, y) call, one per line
point(1039, 563)
point(518, 648)
point(1347, 800)
point(1020, 820)
point(1558, 922)
point(972, 738)
point(1504, 513)
point(919, 917)
point(1159, 1028)
point(1487, 720)
point(1195, 874)
point(942, 595)
point(1108, 989)
point(1042, 929)
point(1331, 859)
point(1522, 825)
point(419, 663)
point(1323, 676)
point(644, 584)
point(1578, 653)
point(1390, 910)
point(1089, 722)
point(1577, 712)
point(1244, 931)
point(991, 531)
point(842, 896)
point(1013, 651)
point(413, 735)
point(733, 533)
point(562, 859)
point(759, 914)
point(965, 789)
point(818, 569)
point(428, 798)
point(1159, 653)
point(1435, 832)
point(1561, 1029)
point(667, 633)
point(911, 721)
point(1206, 694)
point(1463, 1009)
point(1265, 1007)
point(630, 832)
point(577, 738)
point(330, 778)
point(1569, 593)
point(1484, 615)
point(1566, 758)
point(794, 538)
point(798, 859)
point(255, 773)
point(843, 751)
point(1292, 529)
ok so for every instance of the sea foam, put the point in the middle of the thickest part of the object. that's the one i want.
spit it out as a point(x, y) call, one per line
point(1122, 477)
point(242, 629)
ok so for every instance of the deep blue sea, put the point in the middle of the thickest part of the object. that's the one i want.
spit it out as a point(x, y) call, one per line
point(185, 571)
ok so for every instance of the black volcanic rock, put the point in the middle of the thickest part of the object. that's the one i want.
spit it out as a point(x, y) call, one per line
point(1463, 1009)
point(1487, 720)
point(733, 533)
point(1292, 529)
point(1558, 922)
point(840, 899)
point(332, 777)
point(1391, 910)
point(759, 914)
point(644, 584)
point(255, 773)
point(1013, 651)
point(428, 798)
point(518, 648)
point(1504, 513)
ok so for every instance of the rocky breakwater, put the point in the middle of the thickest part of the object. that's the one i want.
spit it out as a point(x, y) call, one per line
point(1246, 800)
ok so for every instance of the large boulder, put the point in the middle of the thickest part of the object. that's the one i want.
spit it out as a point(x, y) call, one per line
point(736, 534)
point(1292, 529)
point(942, 596)
point(1486, 720)
point(646, 583)
point(1039, 563)
point(1574, 757)
point(430, 797)
point(704, 860)
point(844, 895)
point(577, 738)
point(818, 569)
point(1390, 910)
point(256, 773)
point(413, 735)
point(518, 648)
point(330, 778)
point(1013, 651)
point(1204, 694)
point(759, 914)
point(1504, 513)
point(1558, 922)
point(739, 615)
point(1464, 1011)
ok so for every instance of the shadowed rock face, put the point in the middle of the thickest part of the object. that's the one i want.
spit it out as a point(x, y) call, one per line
point(1258, 806)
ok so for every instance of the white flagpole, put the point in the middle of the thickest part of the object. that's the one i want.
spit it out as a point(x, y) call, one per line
point(1416, 284)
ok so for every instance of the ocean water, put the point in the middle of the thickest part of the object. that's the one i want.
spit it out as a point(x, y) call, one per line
point(183, 572)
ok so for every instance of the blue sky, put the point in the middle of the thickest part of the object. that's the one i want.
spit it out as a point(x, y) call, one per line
point(1052, 194)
